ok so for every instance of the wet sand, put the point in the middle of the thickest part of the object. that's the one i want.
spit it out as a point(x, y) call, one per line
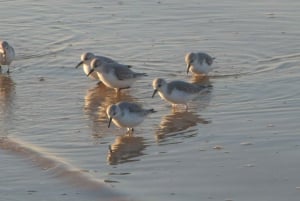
point(238, 142)
point(60, 169)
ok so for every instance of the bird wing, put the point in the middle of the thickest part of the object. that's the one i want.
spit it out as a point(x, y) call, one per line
point(203, 56)
point(184, 86)
point(209, 60)
point(123, 72)
point(132, 107)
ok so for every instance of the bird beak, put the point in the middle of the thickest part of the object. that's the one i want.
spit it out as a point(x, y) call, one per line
point(110, 119)
point(92, 70)
point(79, 64)
point(154, 92)
point(188, 68)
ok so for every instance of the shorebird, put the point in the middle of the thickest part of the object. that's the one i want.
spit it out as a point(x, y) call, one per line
point(86, 59)
point(7, 54)
point(115, 75)
point(177, 92)
point(127, 114)
point(198, 63)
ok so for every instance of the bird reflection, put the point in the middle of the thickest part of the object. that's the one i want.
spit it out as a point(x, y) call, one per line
point(95, 103)
point(125, 148)
point(177, 123)
point(93, 98)
point(7, 94)
point(204, 98)
point(198, 79)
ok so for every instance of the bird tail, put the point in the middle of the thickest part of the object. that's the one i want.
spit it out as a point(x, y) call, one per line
point(151, 111)
point(208, 86)
point(205, 88)
point(140, 74)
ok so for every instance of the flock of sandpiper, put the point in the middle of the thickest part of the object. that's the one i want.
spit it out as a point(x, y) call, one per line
point(119, 76)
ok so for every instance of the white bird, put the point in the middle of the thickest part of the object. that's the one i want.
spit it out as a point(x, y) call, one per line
point(115, 75)
point(7, 54)
point(198, 63)
point(177, 92)
point(127, 114)
point(86, 59)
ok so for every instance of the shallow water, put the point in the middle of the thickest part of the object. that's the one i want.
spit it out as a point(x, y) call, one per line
point(240, 141)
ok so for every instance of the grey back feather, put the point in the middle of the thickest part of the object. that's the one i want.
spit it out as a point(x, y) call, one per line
point(203, 56)
point(185, 86)
point(122, 72)
point(134, 108)
point(105, 59)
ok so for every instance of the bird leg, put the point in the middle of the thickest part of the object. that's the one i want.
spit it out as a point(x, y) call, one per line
point(186, 107)
point(119, 89)
point(129, 131)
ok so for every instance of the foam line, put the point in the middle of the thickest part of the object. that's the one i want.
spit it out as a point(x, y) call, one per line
point(61, 169)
